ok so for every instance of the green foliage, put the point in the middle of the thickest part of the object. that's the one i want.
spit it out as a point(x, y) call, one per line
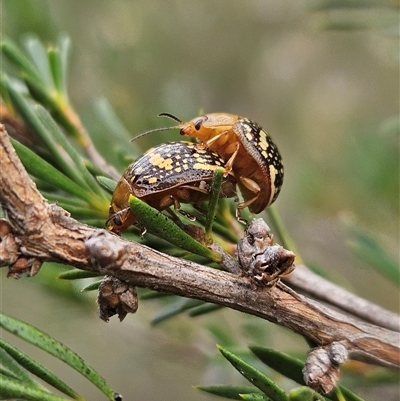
point(65, 167)
point(164, 228)
point(267, 389)
point(18, 383)
point(340, 15)
point(39, 168)
point(254, 376)
point(229, 392)
point(292, 368)
point(46, 78)
point(76, 274)
point(177, 307)
point(367, 248)
point(216, 184)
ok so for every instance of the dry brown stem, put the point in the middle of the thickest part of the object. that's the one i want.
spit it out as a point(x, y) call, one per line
point(41, 232)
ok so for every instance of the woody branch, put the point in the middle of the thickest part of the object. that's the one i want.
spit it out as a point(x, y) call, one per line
point(40, 232)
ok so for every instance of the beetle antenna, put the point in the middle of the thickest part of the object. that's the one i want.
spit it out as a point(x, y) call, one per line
point(172, 117)
point(153, 130)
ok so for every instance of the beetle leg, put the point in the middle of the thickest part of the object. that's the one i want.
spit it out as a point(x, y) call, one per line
point(197, 206)
point(198, 189)
point(168, 201)
point(209, 142)
point(143, 231)
point(229, 163)
point(190, 216)
point(251, 186)
point(239, 217)
point(177, 205)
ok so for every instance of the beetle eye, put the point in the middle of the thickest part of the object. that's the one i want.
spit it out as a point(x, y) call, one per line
point(198, 124)
point(116, 219)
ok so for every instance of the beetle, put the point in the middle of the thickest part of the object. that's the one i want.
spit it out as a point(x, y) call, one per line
point(247, 149)
point(165, 176)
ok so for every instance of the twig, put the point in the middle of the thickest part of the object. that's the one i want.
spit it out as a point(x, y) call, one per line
point(43, 232)
point(317, 287)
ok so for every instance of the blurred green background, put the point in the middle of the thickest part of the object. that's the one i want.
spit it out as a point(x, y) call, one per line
point(324, 82)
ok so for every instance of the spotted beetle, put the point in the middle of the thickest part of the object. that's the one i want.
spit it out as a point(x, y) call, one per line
point(248, 151)
point(165, 176)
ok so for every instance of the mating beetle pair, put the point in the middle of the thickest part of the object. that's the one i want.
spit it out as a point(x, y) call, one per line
point(181, 171)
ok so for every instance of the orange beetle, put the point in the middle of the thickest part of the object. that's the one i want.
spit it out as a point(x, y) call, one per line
point(248, 151)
